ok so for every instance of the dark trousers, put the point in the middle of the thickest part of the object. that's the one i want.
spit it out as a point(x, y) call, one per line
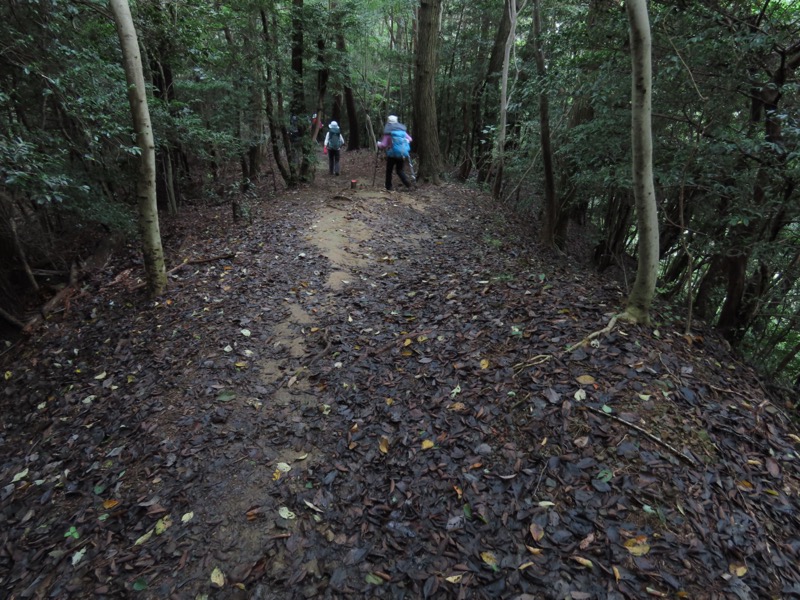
point(397, 164)
point(333, 162)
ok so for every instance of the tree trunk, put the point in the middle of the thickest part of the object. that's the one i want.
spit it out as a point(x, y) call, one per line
point(425, 121)
point(500, 144)
point(644, 287)
point(552, 207)
point(155, 271)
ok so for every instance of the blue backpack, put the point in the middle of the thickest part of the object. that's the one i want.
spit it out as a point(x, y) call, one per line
point(334, 138)
point(400, 147)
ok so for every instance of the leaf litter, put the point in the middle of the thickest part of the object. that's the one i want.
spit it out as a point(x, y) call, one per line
point(451, 447)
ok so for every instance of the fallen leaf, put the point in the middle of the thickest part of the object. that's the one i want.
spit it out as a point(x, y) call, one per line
point(738, 569)
point(312, 507)
point(143, 538)
point(490, 559)
point(285, 513)
point(585, 379)
point(20, 475)
point(217, 578)
point(454, 578)
point(373, 579)
point(638, 545)
point(78, 556)
point(187, 517)
point(163, 524)
point(384, 444)
point(537, 532)
point(109, 504)
point(283, 467)
point(484, 364)
point(534, 551)
point(427, 444)
point(583, 561)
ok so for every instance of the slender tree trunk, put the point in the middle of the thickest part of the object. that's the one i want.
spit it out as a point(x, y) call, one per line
point(155, 270)
point(552, 207)
point(500, 144)
point(644, 287)
point(425, 121)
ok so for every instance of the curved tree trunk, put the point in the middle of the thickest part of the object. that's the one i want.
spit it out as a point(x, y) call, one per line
point(641, 296)
point(155, 270)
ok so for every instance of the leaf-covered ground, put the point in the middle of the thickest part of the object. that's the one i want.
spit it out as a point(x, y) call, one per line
point(369, 395)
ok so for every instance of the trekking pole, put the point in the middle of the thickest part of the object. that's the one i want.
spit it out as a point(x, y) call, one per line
point(411, 168)
point(375, 170)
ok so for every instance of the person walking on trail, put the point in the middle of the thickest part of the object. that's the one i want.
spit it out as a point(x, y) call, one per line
point(396, 142)
point(333, 142)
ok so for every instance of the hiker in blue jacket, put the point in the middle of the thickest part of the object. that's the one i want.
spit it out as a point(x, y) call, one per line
point(396, 142)
point(333, 141)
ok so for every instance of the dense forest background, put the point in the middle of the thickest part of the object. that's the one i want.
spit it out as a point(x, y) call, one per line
point(530, 99)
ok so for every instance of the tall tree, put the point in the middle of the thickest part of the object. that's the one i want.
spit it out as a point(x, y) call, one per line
point(426, 130)
point(500, 142)
point(155, 270)
point(552, 216)
point(643, 291)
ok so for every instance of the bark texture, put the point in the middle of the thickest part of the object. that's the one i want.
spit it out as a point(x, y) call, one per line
point(641, 296)
point(425, 130)
point(155, 271)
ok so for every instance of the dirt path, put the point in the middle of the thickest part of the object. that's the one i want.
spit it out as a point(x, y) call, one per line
point(372, 400)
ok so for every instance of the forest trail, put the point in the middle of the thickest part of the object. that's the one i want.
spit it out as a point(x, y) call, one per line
point(371, 399)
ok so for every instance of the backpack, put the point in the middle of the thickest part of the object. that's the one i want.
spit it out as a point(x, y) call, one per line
point(334, 138)
point(400, 147)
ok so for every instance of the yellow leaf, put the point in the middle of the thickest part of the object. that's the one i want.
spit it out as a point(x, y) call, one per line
point(163, 524)
point(8, 375)
point(772, 492)
point(585, 380)
point(187, 517)
point(241, 364)
point(422, 338)
point(384, 444)
point(454, 578)
point(109, 504)
point(484, 364)
point(427, 444)
point(143, 538)
point(583, 561)
point(537, 532)
point(459, 491)
point(534, 551)
point(389, 402)
point(101, 375)
point(408, 342)
point(489, 558)
point(524, 566)
point(276, 475)
point(616, 573)
point(638, 546)
point(457, 407)
point(217, 578)
point(738, 569)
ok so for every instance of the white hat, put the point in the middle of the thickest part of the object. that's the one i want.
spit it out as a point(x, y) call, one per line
point(392, 119)
point(334, 124)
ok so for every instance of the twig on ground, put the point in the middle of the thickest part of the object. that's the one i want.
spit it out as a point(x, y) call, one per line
point(655, 438)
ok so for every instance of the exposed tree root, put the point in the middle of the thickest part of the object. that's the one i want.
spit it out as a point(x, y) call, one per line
point(179, 266)
point(62, 296)
point(607, 329)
